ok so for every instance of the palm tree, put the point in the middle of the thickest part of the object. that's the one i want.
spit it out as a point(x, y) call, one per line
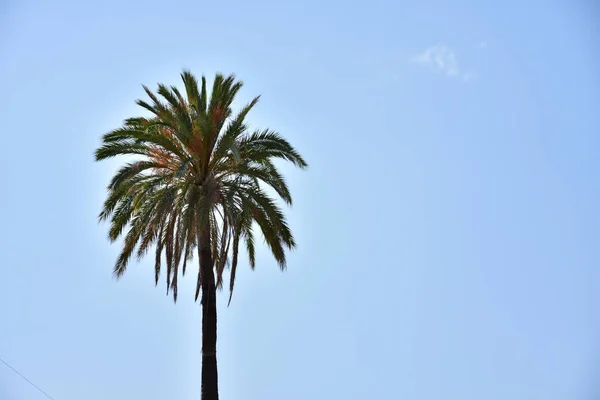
point(198, 182)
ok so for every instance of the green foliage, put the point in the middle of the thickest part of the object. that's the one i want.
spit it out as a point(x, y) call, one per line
point(198, 163)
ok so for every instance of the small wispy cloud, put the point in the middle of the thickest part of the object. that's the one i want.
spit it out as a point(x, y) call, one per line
point(483, 45)
point(442, 59)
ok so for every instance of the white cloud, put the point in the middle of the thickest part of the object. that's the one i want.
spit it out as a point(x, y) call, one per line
point(440, 59)
point(482, 45)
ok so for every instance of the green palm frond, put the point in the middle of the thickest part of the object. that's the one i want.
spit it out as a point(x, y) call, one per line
point(199, 171)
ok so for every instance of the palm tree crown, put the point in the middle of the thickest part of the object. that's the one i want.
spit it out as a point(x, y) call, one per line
point(200, 174)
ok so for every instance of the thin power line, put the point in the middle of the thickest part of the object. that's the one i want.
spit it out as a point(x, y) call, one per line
point(28, 381)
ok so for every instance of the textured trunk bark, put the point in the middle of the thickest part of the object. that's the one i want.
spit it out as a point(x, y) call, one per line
point(210, 386)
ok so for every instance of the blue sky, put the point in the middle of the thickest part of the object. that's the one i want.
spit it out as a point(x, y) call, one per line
point(448, 227)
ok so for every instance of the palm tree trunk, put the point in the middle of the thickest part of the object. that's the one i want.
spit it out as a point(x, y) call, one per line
point(210, 386)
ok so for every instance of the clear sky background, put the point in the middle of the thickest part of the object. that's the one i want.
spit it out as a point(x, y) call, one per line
point(448, 226)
